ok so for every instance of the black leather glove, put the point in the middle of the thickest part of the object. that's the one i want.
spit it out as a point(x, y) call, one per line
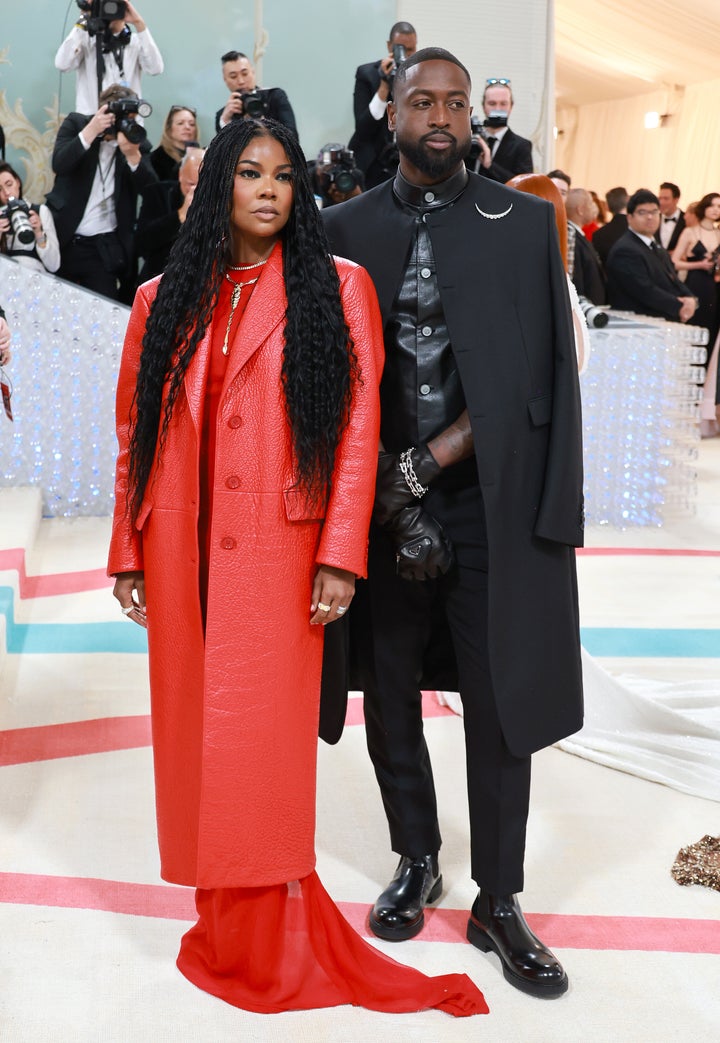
point(392, 492)
point(422, 548)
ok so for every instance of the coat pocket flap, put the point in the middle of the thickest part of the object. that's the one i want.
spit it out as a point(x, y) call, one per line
point(540, 409)
point(143, 514)
point(298, 508)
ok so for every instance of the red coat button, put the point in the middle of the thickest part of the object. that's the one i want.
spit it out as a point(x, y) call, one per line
point(232, 482)
point(235, 421)
point(228, 543)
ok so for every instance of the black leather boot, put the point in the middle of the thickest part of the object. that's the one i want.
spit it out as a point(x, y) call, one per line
point(398, 913)
point(496, 923)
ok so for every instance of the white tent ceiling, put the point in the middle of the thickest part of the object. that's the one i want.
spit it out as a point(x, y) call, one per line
point(607, 49)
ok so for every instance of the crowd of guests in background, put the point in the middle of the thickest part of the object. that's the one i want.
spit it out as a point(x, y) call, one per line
point(117, 205)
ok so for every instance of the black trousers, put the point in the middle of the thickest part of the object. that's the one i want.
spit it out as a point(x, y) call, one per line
point(402, 614)
point(83, 264)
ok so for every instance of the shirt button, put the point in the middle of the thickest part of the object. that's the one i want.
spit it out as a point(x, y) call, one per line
point(234, 421)
point(425, 389)
point(425, 272)
point(232, 482)
point(426, 331)
point(228, 543)
point(429, 197)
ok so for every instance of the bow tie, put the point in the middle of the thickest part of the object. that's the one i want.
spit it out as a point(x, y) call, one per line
point(671, 219)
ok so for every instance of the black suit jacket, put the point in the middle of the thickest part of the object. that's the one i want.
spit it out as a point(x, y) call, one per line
point(505, 300)
point(371, 137)
point(75, 169)
point(588, 276)
point(643, 280)
point(679, 225)
point(605, 237)
point(279, 108)
point(158, 226)
point(512, 156)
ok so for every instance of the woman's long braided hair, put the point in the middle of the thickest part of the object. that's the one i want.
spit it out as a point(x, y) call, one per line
point(319, 363)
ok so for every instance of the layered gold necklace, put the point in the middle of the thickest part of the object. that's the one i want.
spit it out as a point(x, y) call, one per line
point(236, 292)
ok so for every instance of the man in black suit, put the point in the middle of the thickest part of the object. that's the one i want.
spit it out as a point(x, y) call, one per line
point(641, 276)
point(509, 153)
point(372, 142)
point(672, 220)
point(162, 215)
point(98, 175)
point(239, 76)
point(586, 274)
point(607, 235)
point(481, 437)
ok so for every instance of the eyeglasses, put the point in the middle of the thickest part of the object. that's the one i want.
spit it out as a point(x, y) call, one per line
point(494, 81)
point(182, 108)
point(647, 213)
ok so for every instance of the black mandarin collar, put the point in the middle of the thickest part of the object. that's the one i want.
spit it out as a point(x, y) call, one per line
point(430, 197)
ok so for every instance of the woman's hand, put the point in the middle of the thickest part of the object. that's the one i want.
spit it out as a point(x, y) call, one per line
point(332, 592)
point(126, 585)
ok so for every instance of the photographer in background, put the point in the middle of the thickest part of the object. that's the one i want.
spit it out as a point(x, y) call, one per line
point(101, 164)
point(335, 176)
point(124, 54)
point(246, 98)
point(27, 231)
point(509, 153)
point(162, 214)
point(372, 142)
point(5, 353)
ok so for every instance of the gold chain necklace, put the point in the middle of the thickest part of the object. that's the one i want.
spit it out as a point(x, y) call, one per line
point(247, 267)
point(234, 301)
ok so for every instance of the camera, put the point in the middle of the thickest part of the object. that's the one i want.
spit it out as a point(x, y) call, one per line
point(477, 130)
point(595, 317)
point(496, 118)
point(122, 109)
point(17, 213)
point(336, 166)
point(254, 104)
point(100, 13)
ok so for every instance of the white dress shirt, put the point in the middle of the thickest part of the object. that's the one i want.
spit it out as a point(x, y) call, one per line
point(668, 227)
point(77, 51)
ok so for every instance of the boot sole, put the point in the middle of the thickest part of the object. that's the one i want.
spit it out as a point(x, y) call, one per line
point(477, 937)
point(403, 933)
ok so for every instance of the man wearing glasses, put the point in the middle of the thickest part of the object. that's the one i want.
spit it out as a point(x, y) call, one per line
point(641, 276)
point(509, 153)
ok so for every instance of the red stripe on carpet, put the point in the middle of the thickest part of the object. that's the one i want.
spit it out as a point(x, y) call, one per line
point(52, 583)
point(164, 901)
point(77, 738)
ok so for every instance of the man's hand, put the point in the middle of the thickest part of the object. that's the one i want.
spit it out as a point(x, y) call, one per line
point(422, 549)
point(233, 108)
point(386, 67)
point(5, 354)
point(485, 156)
point(132, 17)
point(688, 306)
point(392, 491)
point(98, 125)
point(130, 151)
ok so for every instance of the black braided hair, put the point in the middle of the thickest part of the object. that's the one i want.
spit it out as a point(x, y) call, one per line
point(319, 363)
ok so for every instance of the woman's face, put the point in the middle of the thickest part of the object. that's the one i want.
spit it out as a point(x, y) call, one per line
point(183, 127)
point(9, 186)
point(263, 193)
point(712, 212)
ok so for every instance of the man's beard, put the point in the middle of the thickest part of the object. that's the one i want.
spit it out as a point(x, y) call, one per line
point(434, 164)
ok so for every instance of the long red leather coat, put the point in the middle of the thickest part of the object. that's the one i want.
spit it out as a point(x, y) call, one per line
point(235, 712)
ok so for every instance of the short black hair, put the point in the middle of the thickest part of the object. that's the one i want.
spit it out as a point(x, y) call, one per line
point(429, 54)
point(643, 195)
point(233, 56)
point(616, 199)
point(560, 175)
point(402, 29)
point(671, 188)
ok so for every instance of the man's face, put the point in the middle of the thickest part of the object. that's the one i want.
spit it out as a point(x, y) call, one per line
point(645, 219)
point(188, 177)
point(431, 118)
point(406, 40)
point(497, 99)
point(561, 186)
point(239, 75)
point(668, 202)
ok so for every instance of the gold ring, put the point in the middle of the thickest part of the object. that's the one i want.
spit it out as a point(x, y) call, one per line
point(324, 608)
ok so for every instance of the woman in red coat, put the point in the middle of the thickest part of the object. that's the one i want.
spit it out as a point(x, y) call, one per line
point(247, 415)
